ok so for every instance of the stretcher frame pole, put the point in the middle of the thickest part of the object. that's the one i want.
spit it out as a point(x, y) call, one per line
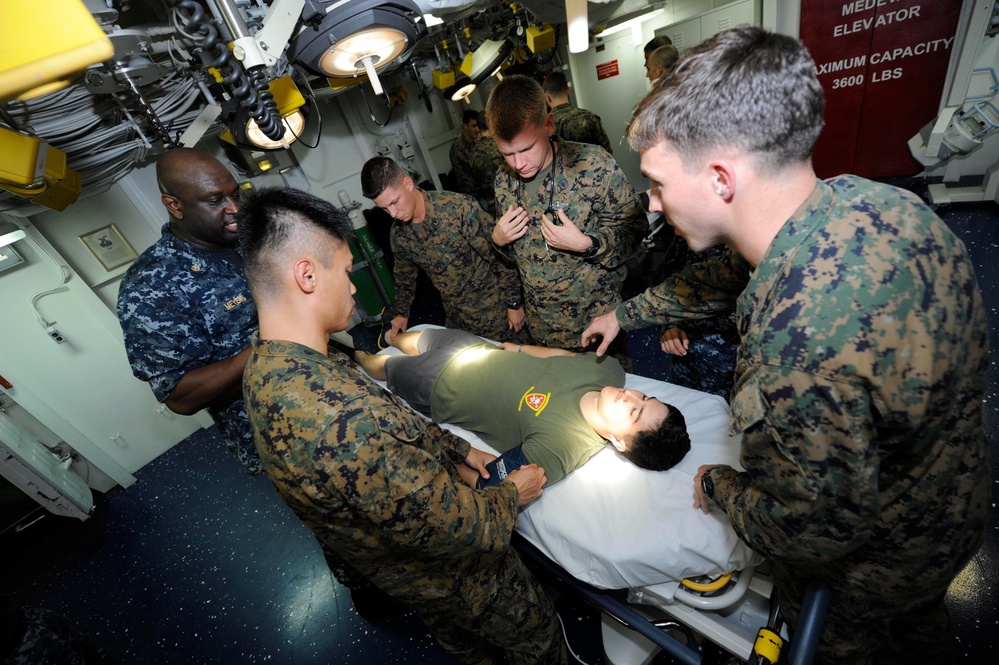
point(809, 627)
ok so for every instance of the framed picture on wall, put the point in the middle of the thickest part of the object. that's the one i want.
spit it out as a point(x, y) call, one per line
point(109, 247)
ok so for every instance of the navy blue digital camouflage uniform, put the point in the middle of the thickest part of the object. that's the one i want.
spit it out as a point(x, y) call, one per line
point(858, 393)
point(180, 308)
point(709, 364)
point(378, 484)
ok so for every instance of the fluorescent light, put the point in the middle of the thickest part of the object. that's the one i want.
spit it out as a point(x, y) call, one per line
point(578, 25)
point(624, 25)
point(9, 234)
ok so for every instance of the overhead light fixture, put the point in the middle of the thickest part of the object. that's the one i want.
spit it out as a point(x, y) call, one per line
point(460, 91)
point(577, 24)
point(631, 23)
point(487, 59)
point(349, 38)
point(44, 50)
point(244, 130)
point(37, 171)
point(9, 234)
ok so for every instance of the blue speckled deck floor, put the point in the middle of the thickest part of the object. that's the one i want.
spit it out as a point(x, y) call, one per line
point(199, 563)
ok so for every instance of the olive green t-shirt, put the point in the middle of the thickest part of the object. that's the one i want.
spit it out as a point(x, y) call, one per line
point(510, 399)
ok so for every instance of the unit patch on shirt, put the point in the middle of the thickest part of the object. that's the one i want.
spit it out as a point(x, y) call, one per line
point(535, 401)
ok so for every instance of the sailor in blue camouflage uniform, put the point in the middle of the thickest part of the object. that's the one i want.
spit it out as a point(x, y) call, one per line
point(370, 477)
point(447, 236)
point(570, 218)
point(184, 306)
point(863, 357)
point(702, 351)
point(571, 122)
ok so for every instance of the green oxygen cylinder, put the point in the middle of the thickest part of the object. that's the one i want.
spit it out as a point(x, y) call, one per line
point(370, 275)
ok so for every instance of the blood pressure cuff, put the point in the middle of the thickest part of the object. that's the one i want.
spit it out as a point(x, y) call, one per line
point(501, 467)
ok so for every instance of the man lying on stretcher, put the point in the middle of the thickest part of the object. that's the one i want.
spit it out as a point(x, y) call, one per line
point(536, 405)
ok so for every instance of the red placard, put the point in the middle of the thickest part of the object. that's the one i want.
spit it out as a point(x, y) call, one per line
point(882, 64)
point(605, 70)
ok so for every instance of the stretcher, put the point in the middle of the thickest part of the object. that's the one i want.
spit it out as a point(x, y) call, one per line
point(631, 543)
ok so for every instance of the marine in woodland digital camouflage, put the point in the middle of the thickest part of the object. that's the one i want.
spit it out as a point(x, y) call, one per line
point(181, 308)
point(859, 385)
point(377, 484)
point(575, 124)
point(486, 160)
point(453, 247)
point(563, 291)
point(461, 172)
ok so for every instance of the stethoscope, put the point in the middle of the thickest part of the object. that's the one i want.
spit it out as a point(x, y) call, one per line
point(551, 209)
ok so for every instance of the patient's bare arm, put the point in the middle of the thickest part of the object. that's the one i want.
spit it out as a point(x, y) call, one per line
point(529, 479)
point(536, 351)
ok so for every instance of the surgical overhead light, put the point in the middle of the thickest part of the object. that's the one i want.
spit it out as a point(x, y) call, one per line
point(290, 104)
point(460, 91)
point(487, 59)
point(349, 38)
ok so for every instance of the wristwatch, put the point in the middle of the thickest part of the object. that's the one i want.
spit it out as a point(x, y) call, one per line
point(594, 248)
point(707, 485)
point(516, 304)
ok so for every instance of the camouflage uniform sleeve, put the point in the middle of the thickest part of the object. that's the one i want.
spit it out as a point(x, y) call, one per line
point(412, 486)
point(598, 136)
point(478, 229)
point(505, 197)
point(405, 274)
point(622, 224)
point(813, 436)
point(699, 291)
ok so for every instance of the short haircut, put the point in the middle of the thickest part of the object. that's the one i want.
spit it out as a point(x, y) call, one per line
point(556, 85)
point(662, 448)
point(483, 121)
point(515, 104)
point(746, 88)
point(276, 222)
point(665, 56)
point(469, 115)
point(657, 42)
point(377, 174)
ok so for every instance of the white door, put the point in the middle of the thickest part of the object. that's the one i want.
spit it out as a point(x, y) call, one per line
point(614, 96)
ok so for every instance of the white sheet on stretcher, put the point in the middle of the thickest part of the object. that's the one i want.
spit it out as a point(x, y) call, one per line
point(616, 526)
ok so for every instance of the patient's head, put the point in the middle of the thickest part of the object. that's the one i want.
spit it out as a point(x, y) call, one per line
point(650, 433)
point(660, 448)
